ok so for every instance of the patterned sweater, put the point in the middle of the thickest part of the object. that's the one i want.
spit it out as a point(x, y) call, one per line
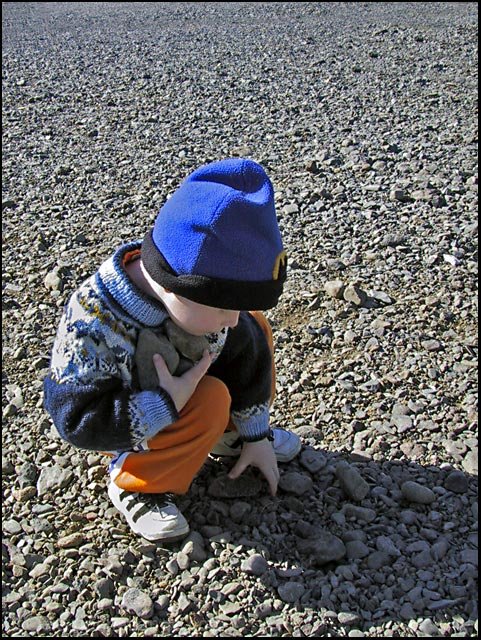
point(90, 391)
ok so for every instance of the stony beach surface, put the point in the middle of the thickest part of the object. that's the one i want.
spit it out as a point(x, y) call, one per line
point(365, 116)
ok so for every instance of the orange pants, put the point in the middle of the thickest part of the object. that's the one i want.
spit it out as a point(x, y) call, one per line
point(175, 454)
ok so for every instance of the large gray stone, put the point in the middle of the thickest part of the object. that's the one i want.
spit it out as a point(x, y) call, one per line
point(191, 347)
point(351, 481)
point(149, 344)
point(324, 548)
point(415, 492)
point(138, 602)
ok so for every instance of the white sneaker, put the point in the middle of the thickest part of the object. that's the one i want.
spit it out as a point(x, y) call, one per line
point(153, 516)
point(286, 445)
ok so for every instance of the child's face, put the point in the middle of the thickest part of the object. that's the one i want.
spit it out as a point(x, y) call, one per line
point(198, 319)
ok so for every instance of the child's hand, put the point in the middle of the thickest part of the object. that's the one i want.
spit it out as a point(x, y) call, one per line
point(180, 388)
point(261, 455)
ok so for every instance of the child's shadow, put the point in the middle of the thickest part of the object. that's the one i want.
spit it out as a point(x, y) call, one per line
point(401, 552)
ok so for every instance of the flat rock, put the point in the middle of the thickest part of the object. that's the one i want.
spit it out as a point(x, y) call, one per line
point(244, 486)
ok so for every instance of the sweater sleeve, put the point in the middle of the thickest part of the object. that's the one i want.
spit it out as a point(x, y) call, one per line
point(88, 392)
point(245, 366)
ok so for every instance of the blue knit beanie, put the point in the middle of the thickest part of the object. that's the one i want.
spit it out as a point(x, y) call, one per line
point(216, 240)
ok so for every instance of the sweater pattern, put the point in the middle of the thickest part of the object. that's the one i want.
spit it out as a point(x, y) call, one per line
point(89, 391)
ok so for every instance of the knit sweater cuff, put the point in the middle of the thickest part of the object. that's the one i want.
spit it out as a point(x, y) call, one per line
point(252, 424)
point(151, 412)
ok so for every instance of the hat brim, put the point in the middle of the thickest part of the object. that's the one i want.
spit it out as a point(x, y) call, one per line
point(237, 295)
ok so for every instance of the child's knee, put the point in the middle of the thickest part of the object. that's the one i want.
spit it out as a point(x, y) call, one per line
point(216, 401)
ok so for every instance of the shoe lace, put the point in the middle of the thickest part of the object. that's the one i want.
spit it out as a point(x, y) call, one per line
point(148, 502)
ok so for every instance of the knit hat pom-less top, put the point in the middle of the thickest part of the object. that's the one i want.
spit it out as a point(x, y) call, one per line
point(216, 240)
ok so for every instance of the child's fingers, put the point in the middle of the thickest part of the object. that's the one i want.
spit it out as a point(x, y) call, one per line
point(271, 475)
point(273, 481)
point(198, 371)
point(163, 372)
point(237, 470)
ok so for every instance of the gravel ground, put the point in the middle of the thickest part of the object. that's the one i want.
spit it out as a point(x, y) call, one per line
point(365, 116)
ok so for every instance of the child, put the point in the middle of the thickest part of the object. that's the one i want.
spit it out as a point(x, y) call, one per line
point(214, 253)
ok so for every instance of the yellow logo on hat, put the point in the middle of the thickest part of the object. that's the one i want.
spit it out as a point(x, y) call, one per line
point(280, 263)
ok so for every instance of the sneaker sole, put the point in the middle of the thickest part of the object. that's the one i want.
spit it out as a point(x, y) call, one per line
point(176, 535)
point(173, 538)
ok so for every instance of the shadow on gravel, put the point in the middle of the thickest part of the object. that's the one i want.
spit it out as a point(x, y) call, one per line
point(406, 550)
